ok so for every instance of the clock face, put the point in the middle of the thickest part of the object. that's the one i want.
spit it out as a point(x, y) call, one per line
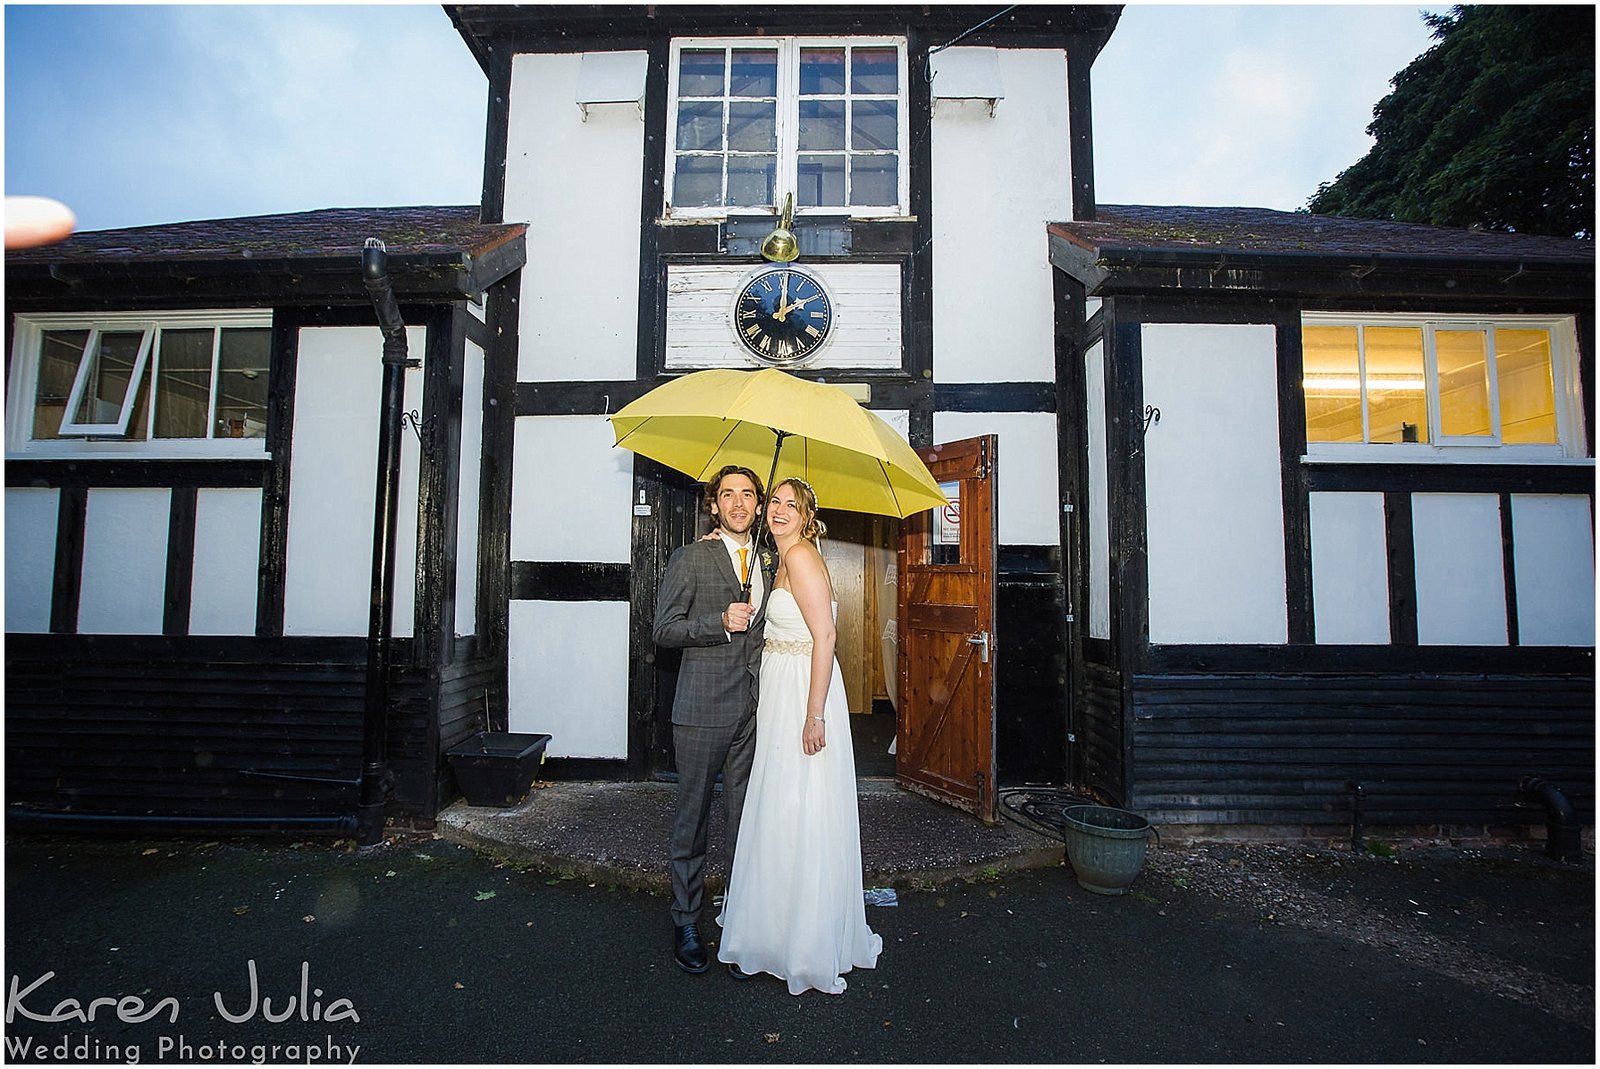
point(782, 315)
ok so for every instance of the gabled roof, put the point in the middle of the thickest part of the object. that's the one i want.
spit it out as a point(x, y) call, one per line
point(508, 28)
point(1146, 248)
point(434, 253)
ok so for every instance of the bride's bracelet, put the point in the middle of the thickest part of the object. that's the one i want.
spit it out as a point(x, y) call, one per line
point(822, 719)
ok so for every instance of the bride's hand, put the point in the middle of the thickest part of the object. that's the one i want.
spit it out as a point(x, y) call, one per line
point(814, 737)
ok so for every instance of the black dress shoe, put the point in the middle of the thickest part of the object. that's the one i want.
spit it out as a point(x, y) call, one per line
point(738, 973)
point(687, 948)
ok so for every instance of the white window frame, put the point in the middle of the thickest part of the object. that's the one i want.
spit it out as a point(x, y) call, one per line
point(788, 97)
point(80, 383)
point(1477, 449)
point(99, 441)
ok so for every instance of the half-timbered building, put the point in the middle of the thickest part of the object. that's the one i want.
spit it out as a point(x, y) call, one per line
point(1257, 517)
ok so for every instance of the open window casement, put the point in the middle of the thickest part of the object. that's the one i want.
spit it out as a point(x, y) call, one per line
point(110, 370)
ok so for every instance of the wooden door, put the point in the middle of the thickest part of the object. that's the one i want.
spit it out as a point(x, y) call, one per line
point(945, 741)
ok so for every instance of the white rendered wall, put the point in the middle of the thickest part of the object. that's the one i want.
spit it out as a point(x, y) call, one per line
point(1029, 470)
point(31, 519)
point(1213, 486)
point(124, 561)
point(1349, 568)
point(996, 183)
point(227, 556)
point(469, 498)
point(577, 186)
point(1554, 560)
point(332, 476)
point(1099, 517)
point(572, 491)
point(568, 675)
point(866, 320)
point(1460, 565)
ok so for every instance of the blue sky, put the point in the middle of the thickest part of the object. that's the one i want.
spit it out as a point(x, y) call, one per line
point(135, 115)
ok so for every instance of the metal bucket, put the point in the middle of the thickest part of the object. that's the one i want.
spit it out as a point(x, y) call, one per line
point(1106, 846)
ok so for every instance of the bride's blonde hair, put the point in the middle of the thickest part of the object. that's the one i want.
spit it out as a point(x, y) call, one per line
point(811, 528)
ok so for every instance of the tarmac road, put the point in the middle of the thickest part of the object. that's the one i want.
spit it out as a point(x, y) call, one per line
point(421, 950)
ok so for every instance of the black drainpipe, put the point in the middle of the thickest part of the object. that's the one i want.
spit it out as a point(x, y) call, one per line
point(1563, 832)
point(376, 778)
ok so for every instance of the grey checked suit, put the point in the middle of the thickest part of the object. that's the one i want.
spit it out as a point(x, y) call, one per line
point(713, 714)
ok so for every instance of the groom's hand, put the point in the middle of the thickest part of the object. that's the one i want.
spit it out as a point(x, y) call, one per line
point(736, 617)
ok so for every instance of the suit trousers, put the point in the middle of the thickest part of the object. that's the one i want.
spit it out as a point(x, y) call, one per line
point(701, 752)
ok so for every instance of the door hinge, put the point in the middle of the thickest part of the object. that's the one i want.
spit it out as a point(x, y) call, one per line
point(1071, 619)
point(1066, 507)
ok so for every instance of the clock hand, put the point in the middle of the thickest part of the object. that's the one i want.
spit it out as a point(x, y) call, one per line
point(801, 303)
point(783, 300)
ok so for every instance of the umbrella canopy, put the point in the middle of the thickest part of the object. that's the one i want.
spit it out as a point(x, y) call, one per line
point(854, 460)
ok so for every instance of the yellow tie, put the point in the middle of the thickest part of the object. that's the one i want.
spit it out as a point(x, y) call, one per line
point(744, 566)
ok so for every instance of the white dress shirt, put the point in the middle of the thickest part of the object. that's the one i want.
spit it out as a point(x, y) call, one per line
point(757, 584)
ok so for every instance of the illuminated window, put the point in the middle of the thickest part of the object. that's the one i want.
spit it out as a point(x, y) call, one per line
point(140, 383)
point(1440, 383)
point(752, 121)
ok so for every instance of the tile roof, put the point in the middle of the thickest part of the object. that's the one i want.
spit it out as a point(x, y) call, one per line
point(331, 233)
point(1210, 231)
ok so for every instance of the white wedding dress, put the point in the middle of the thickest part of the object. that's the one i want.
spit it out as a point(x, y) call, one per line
point(794, 903)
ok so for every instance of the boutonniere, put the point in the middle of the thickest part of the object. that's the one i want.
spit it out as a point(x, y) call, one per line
point(768, 561)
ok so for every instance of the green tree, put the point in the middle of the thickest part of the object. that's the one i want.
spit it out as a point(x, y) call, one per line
point(1492, 127)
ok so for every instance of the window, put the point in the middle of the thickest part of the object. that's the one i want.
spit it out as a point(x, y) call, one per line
point(172, 384)
point(752, 121)
point(1421, 386)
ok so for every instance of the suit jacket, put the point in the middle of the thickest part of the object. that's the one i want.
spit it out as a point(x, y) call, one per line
point(718, 679)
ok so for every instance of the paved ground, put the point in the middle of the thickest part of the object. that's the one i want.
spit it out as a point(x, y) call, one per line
point(617, 832)
point(1219, 954)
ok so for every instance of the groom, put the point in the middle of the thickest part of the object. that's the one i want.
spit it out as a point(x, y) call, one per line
point(709, 607)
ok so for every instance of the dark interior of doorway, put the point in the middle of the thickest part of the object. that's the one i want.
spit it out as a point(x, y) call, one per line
point(870, 737)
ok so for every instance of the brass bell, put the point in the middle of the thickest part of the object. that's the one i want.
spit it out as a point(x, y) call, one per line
point(780, 246)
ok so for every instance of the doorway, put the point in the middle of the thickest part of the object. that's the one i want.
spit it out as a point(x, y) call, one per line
point(860, 552)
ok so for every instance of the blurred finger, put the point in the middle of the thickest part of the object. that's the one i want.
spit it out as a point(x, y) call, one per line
point(32, 221)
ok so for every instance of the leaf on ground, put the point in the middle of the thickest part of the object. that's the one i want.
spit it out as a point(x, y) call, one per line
point(773, 1037)
point(483, 896)
point(152, 850)
point(460, 986)
point(309, 918)
point(239, 911)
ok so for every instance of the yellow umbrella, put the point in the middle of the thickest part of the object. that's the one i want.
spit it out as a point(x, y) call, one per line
point(788, 425)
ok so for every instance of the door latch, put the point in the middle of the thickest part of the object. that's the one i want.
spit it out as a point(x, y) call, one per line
point(981, 640)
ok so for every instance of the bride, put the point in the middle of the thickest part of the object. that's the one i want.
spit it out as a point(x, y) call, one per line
point(794, 902)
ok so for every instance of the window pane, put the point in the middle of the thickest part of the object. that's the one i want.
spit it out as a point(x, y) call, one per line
point(109, 372)
point(820, 181)
point(1527, 386)
point(700, 126)
point(1397, 398)
point(873, 125)
point(821, 71)
point(753, 127)
point(874, 70)
point(242, 383)
point(700, 72)
point(183, 383)
point(1463, 382)
point(1332, 384)
point(750, 179)
point(59, 354)
point(753, 73)
point(698, 181)
point(821, 124)
point(874, 179)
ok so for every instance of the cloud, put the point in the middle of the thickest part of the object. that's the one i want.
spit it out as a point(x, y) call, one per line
point(1241, 105)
